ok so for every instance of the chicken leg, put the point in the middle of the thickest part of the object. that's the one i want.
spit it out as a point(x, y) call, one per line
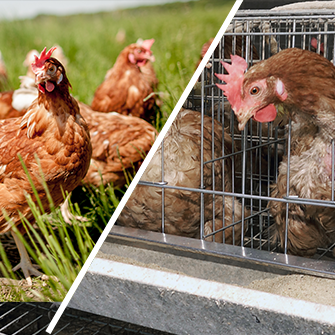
point(67, 215)
point(25, 262)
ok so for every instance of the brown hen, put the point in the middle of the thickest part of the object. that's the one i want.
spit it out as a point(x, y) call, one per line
point(299, 83)
point(30, 57)
point(147, 69)
point(55, 132)
point(182, 168)
point(15, 103)
point(119, 143)
point(126, 89)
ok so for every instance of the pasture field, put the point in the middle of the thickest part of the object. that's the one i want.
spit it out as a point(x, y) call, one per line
point(90, 45)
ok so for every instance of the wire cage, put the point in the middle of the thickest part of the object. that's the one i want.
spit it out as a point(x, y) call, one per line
point(257, 151)
point(257, 35)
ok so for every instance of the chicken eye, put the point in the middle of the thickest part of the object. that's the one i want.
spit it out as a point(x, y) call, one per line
point(138, 51)
point(254, 90)
point(52, 69)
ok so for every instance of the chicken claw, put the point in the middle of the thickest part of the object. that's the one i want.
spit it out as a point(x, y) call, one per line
point(67, 215)
point(25, 263)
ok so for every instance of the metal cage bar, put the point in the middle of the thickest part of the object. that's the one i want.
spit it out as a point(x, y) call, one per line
point(257, 151)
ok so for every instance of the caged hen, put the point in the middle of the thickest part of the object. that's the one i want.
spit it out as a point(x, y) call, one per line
point(300, 84)
point(182, 168)
point(256, 158)
point(126, 89)
point(52, 130)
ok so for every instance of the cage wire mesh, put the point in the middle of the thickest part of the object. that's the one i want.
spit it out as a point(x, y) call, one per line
point(258, 150)
point(33, 318)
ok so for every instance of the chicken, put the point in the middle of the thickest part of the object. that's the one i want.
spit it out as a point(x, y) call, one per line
point(30, 57)
point(231, 45)
point(182, 168)
point(115, 138)
point(147, 69)
point(6, 108)
point(52, 130)
point(22, 97)
point(300, 83)
point(222, 110)
point(314, 46)
point(203, 52)
point(119, 144)
point(126, 89)
point(15, 103)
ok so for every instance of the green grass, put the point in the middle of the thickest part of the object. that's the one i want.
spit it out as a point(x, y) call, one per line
point(89, 43)
point(59, 249)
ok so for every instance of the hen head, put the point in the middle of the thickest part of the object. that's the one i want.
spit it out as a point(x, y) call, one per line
point(49, 72)
point(139, 53)
point(251, 98)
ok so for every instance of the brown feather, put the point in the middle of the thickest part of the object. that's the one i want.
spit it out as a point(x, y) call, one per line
point(119, 142)
point(54, 130)
point(182, 168)
point(7, 111)
point(126, 88)
point(308, 79)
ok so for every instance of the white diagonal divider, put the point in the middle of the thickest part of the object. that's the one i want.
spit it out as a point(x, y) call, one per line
point(146, 161)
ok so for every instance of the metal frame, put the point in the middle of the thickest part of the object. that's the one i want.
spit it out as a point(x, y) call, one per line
point(258, 29)
point(220, 253)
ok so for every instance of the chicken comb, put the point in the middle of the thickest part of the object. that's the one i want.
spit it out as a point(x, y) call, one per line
point(39, 61)
point(147, 44)
point(234, 80)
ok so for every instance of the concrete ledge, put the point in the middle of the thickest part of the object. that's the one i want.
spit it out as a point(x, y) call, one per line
point(182, 304)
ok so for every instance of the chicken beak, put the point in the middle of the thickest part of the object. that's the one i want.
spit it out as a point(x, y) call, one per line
point(267, 113)
point(42, 81)
point(40, 77)
point(243, 117)
point(150, 57)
